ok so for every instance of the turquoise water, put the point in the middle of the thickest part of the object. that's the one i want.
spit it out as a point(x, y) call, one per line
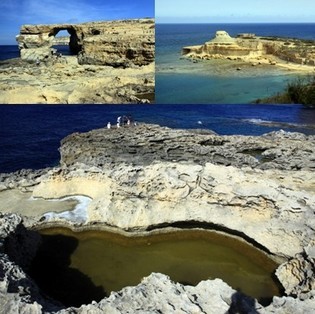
point(204, 88)
point(180, 81)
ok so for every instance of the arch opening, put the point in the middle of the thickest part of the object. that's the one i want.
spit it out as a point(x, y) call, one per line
point(65, 41)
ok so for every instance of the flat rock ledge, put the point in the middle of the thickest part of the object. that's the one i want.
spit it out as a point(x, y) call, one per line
point(146, 177)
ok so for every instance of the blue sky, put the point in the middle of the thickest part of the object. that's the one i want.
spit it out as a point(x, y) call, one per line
point(234, 11)
point(14, 13)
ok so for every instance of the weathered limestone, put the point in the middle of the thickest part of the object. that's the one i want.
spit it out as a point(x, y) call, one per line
point(112, 62)
point(146, 177)
point(249, 47)
point(221, 45)
point(67, 82)
point(117, 43)
point(147, 143)
point(298, 274)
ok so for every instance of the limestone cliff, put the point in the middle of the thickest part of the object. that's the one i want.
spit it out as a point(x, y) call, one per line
point(116, 43)
point(246, 46)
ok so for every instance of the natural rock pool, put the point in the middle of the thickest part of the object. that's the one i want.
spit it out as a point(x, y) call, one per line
point(78, 267)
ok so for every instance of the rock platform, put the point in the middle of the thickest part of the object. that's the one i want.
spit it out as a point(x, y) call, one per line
point(145, 178)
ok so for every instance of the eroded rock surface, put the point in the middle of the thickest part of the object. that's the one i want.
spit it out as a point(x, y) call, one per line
point(146, 177)
point(111, 62)
point(115, 43)
point(143, 144)
point(66, 82)
point(256, 49)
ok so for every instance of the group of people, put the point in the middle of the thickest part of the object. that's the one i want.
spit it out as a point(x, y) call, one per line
point(121, 121)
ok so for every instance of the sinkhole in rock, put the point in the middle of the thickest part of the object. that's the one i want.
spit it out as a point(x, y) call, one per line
point(76, 268)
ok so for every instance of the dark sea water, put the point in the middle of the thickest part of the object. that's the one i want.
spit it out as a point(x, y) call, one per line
point(9, 52)
point(12, 51)
point(30, 135)
point(179, 80)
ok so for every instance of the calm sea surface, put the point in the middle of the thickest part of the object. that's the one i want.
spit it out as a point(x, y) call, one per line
point(9, 52)
point(30, 135)
point(179, 80)
point(12, 51)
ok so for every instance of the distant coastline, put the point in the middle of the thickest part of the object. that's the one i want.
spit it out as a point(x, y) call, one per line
point(218, 81)
point(293, 54)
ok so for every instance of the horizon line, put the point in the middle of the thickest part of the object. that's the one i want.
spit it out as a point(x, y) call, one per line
point(234, 22)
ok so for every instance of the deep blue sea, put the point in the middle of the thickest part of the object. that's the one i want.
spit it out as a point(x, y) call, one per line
point(179, 80)
point(30, 135)
point(9, 52)
point(12, 51)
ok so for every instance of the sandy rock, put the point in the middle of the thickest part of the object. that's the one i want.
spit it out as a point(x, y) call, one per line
point(68, 82)
point(298, 274)
point(290, 53)
point(112, 62)
point(145, 143)
point(115, 43)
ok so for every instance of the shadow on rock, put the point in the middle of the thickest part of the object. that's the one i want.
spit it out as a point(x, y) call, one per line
point(242, 304)
point(52, 272)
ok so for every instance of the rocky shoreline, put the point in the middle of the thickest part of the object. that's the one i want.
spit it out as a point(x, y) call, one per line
point(290, 53)
point(146, 178)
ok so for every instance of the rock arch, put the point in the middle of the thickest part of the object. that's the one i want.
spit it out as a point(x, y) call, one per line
point(35, 41)
point(74, 45)
point(121, 43)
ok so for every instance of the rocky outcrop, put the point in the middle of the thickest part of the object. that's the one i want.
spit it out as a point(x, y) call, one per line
point(298, 274)
point(63, 81)
point(111, 62)
point(18, 293)
point(143, 177)
point(221, 45)
point(122, 43)
point(143, 144)
point(249, 46)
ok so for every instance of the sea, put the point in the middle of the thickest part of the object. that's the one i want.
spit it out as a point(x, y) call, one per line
point(179, 80)
point(30, 135)
point(12, 51)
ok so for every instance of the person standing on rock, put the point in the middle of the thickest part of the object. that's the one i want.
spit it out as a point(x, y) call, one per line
point(109, 125)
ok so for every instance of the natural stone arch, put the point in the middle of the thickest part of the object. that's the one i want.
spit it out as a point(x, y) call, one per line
point(74, 45)
point(123, 43)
